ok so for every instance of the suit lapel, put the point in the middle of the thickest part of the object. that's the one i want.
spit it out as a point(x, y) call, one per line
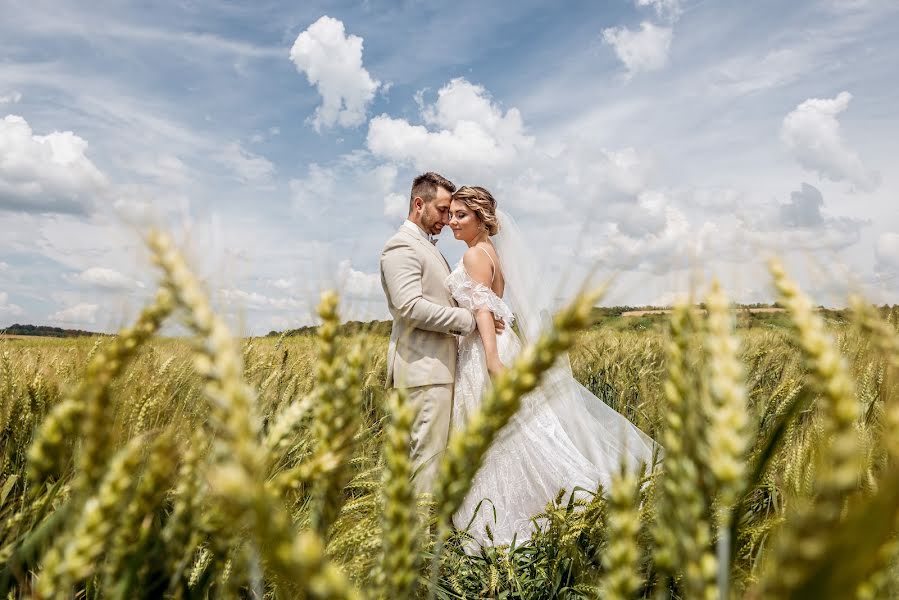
point(432, 248)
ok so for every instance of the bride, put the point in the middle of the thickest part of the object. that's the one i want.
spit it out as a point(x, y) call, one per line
point(562, 437)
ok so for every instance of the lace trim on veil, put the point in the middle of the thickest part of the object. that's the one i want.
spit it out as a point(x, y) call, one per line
point(473, 295)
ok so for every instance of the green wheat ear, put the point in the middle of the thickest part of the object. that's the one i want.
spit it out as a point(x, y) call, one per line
point(399, 556)
point(727, 437)
point(236, 480)
point(682, 532)
point(621, 578)
point(74, 556)
point(338, 403)
point(88, 410)
point(803, 537)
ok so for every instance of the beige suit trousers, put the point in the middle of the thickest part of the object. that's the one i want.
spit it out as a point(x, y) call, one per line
point(433, 405)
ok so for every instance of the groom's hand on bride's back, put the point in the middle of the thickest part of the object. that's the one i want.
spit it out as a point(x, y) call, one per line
point(499, 324)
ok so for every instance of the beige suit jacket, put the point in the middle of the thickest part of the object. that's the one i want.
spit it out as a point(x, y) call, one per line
point(422, 348)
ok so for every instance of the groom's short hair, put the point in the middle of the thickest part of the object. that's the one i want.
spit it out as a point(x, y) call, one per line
point(425, 187)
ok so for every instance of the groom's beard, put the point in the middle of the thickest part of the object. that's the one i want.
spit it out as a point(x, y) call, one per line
point(434, 227)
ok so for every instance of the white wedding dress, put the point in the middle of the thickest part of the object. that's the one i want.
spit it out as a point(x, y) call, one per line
point(562, 437)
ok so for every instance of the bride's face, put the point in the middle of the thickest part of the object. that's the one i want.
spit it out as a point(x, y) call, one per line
point(465, 224)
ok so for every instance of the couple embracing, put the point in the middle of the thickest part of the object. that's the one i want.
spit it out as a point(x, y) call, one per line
point(452, 330)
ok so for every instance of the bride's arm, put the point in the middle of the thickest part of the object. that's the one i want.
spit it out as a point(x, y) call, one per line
point(480, 269)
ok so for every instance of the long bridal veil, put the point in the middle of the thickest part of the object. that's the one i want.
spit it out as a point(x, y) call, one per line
point(602, 435)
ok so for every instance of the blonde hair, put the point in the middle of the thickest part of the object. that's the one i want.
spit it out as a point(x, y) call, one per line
point(482, 204)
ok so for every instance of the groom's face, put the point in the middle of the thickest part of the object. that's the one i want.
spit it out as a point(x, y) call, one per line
point(436, 212)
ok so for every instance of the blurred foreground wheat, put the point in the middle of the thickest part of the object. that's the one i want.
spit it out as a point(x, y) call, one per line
point(144, 467)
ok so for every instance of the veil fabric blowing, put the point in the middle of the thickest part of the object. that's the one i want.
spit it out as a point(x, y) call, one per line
point(596, 430)
point(561, 437)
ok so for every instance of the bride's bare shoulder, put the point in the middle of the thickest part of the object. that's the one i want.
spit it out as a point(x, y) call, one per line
point(478, 265)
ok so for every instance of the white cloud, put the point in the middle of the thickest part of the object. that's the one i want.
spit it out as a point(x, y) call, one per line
point(641, 50)
point(254, 300)
point(396, 206)
point(610, 174)
point(79, 314)
point(332, 62)
point(247, 167)
point(798, 224)
point(352, 181)
point(261, 136)
point(109, 279)
point(3, 266)
point(472, 136)
point(166, 169)
point(46, 173)
point(668, 9)
point(7, 308)
point(749, 74)
point(648, 216)
point(665, 244)
point(282, 283)
point(710, 199)
point(357, 284)
point(11, 98)
point(812, 133)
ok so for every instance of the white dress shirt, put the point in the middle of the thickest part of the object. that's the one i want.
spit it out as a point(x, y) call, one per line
point(414, 227)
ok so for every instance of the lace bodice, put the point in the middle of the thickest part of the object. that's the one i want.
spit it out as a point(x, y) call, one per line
point(474, 295)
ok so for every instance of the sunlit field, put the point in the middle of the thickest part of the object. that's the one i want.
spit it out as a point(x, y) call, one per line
point(209, 467)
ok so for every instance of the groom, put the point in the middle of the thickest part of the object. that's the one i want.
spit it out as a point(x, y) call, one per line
point(421, 356)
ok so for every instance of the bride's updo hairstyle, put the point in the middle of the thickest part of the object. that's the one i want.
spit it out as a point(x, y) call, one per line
point(481, 203)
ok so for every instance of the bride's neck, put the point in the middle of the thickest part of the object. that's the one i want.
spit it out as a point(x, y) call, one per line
point(481, 237)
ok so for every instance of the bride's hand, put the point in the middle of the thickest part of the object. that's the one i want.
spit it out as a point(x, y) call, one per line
point(495, 366)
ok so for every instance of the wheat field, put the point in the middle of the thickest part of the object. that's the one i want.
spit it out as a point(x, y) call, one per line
point(139, 466)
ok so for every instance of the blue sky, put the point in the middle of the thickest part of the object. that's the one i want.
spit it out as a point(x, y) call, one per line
point(652, 139)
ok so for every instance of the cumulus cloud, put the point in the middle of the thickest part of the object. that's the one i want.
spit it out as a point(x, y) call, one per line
point(800, 224)
point(247, 167)
point(396, 206)
point(332, 62)
point(11, 98)
point(642, 50)
point(354, 180)
point(109, 279)
point(812, 133)
point(613, 175)
point(663, 244)
point(804, 208)
point(46, 173)
point(471, 135)
point(7, 308)
point(529, 191)
point(80, 314)
point(647, 217)
point(358, 284)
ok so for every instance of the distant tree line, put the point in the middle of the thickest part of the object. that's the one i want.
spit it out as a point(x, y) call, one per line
point(348, 328)
point(46, 331)
point(603, 315)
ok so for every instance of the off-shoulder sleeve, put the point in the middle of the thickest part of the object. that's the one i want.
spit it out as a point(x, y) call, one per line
point(474, 295)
